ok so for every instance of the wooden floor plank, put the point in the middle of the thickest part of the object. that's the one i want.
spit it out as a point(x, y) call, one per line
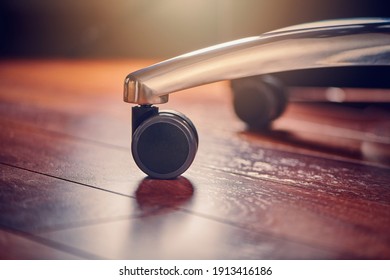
point(32, 202)
point(68, 158)
point(317, 217)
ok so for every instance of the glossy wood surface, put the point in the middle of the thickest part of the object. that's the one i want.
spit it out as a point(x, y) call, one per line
point(316, 186)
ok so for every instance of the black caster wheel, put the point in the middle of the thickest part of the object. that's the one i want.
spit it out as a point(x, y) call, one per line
point(164, 144)
point(258, 100)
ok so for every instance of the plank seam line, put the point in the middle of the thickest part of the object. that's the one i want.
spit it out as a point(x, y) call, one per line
point(66, 180)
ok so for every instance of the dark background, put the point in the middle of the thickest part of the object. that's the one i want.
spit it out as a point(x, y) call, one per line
point(153, 28)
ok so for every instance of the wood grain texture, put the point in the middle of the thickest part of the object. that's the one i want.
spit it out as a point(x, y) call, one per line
point(316, 186)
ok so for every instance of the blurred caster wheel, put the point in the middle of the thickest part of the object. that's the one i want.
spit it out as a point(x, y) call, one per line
point(258, 100)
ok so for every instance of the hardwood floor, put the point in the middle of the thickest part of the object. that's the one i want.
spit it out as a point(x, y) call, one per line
point(317, 186)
